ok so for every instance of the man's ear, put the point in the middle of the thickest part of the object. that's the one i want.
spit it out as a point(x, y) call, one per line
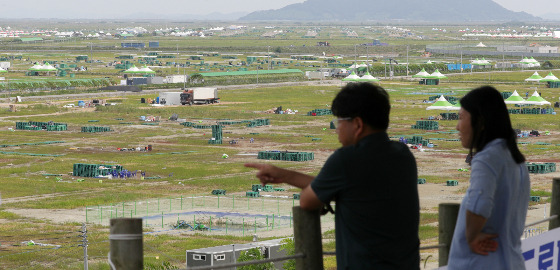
point(359, 124)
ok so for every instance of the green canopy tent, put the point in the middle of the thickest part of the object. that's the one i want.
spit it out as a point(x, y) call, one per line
point(132, 70)
point(442, 104)
point(351, 78)
point(421, 74)
point(551, 80)
point(536, 99)
point(437, 75)
point(368, 78)
point(515, 98)
point(534, 78)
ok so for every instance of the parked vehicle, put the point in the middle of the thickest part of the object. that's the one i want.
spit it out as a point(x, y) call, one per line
point(201, 95)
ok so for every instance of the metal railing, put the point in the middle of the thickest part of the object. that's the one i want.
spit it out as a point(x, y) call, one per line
point(308, 240)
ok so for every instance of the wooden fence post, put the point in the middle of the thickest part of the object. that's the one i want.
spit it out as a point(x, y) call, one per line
point(126, 243)
point(448, 213)
point(555, 204)
point(307, 239)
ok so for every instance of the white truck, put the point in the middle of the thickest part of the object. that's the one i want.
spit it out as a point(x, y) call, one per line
point(200, 95)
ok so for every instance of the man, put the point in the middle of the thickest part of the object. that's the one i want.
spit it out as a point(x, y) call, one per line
point(372, 180)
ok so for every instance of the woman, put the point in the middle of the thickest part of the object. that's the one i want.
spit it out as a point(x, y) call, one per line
point(492, 215)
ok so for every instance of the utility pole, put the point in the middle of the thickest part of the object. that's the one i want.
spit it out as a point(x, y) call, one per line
point(84, 244)
point(407, 60)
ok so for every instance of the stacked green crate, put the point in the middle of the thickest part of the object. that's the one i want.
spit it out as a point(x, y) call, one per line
point(268, 188)
point(287, 156)
point(541, 168)
point(219, 192)
point(257, 122)
point(256, 187)
point(426, 125)
point(227, 123)
point(93, 129)
point(252, 194)
point(449, 116)
point(94, 170)
point(216, 135)
point(319, 112)
point(452, 183)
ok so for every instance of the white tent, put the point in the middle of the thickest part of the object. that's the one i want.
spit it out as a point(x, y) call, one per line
point(536, 99)
point(437, 75)
point(515, 98)
point(421, 74)
point(480, 45)
point(442, 104)
point(351, 77)
point(368, 78)
point(534, 78)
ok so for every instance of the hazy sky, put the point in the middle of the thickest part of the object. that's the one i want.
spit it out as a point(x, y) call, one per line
point(118, 8)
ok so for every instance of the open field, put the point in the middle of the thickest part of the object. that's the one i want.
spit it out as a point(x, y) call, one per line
point(43, 202)
point(185, 168)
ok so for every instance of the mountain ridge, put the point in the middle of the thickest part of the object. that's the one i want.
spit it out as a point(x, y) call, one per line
point(380, 10)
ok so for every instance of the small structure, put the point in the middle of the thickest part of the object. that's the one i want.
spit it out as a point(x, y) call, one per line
point(227, 254)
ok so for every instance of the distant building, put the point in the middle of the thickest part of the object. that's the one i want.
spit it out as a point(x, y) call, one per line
point(527, 49)
point(132, 45)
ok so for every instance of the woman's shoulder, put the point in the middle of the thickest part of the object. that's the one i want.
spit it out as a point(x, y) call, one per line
point(494, 151)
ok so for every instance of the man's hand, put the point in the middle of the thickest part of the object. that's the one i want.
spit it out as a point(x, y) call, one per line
point(483, 243)
point(267, 173)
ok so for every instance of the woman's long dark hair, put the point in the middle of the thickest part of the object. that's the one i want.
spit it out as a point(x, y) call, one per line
point(490, 120)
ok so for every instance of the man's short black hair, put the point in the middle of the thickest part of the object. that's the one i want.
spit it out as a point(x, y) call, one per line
point(365, 100)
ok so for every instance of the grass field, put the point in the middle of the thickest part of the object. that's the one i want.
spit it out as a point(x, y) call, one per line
point(184, 164)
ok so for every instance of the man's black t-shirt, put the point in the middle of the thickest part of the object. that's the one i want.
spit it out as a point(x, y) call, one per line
point(374, 186)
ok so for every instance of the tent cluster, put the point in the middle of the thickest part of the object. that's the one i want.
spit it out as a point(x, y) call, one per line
point(42, 68)
point(480, 62)
point(365, 78)
point(530, 62)
point(535, 99)
point(425, 75)
point(537, 78)
point(143, 70)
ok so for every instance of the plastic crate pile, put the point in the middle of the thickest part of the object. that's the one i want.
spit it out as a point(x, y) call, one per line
point(531, 111)
point(195, 125)
point(216, 135)
point(319, 112)
point(48, 126)
point(426, 125)
point(257, 188)
point(94, 170)
point(286, 156)
point(257, 122)
point(416, 140)
point(541, 168)
point(219, 192)
point(93, 129)
point(449, 116)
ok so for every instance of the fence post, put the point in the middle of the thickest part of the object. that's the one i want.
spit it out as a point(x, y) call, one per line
point(448, 213)
point(307, 238)
point(126, 243)
point(555, 204)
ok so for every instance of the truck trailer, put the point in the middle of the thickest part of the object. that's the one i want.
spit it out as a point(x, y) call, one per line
point(200, 95)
